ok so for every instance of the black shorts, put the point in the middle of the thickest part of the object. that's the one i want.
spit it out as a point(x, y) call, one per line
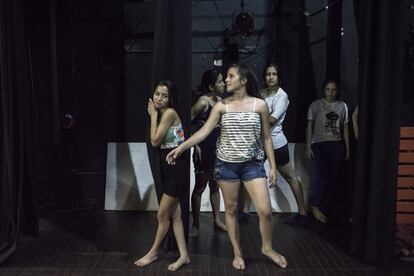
point(174, 177)
point(282, 155)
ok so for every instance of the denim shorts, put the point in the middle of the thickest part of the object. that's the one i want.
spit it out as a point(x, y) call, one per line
point(244, 171)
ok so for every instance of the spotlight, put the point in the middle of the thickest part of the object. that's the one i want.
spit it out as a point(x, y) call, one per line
point(243, 22)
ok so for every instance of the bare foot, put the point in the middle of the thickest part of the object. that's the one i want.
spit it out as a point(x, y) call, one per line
point(318, 215)
point(238, 263)
point(147, 259)
point(193, 232)
point(178, 263)
point(220, 226)
point(275, 257)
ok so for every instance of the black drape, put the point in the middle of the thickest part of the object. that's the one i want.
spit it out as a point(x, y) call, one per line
point(172, 61)
point(17, 144)
point(292, 52)
point(381, 30)
point(333, 40)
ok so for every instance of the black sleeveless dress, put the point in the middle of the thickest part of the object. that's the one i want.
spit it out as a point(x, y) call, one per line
point(208, 146)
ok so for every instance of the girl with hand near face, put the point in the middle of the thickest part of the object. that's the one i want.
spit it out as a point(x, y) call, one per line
point(166, 133)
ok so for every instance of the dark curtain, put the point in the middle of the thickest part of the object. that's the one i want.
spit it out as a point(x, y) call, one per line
point(17, 144)
point(291, 50)
point(333, 40)
point(381, 29)
point(172, 61)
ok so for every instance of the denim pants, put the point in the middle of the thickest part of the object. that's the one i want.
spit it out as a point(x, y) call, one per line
point(327, 168)
point(243, 171)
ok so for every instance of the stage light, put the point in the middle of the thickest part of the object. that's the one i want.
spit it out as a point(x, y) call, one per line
point(243, 21)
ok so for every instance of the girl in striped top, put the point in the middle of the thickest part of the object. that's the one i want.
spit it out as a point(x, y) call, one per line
point(241, 148)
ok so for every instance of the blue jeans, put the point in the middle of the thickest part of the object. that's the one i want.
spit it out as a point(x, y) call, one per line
point(244, 171)
point(327, 167)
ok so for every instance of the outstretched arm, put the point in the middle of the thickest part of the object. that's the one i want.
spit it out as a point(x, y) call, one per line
point(200, 135)
point(199, 106)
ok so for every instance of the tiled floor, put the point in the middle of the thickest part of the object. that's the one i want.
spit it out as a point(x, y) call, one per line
point(107, 243)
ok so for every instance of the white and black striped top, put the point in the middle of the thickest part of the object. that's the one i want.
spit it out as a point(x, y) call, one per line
point(241, 136)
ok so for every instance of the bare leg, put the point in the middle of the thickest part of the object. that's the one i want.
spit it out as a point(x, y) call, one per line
point(287, 172)
point(167, 204)
point(179, 236)
point(230, 190)
point(201, 180)
point(215, 204)
point(244, 204)
point(319, 181)
point(247, 201)
point(259, 193)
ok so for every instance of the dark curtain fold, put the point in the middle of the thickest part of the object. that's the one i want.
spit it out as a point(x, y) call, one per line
point(292, 52)
point(172, 61)
point(381, 30)
point(17, 145)
point(333, 40)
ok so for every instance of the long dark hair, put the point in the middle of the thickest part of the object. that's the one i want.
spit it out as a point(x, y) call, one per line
point(172, 93)
point(209, 78)
point(248, 75)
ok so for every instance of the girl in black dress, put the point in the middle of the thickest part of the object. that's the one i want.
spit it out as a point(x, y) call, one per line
point(167, 133)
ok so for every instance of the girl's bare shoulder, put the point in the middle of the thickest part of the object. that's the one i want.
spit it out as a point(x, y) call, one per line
point(261, 105)
point(260, 101)
point(220, 105)
point(170, 113)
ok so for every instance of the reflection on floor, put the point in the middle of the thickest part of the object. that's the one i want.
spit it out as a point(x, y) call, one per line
point(107, 243)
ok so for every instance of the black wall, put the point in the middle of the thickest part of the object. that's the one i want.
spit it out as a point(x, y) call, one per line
point(104, 64)
point(407, 116)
